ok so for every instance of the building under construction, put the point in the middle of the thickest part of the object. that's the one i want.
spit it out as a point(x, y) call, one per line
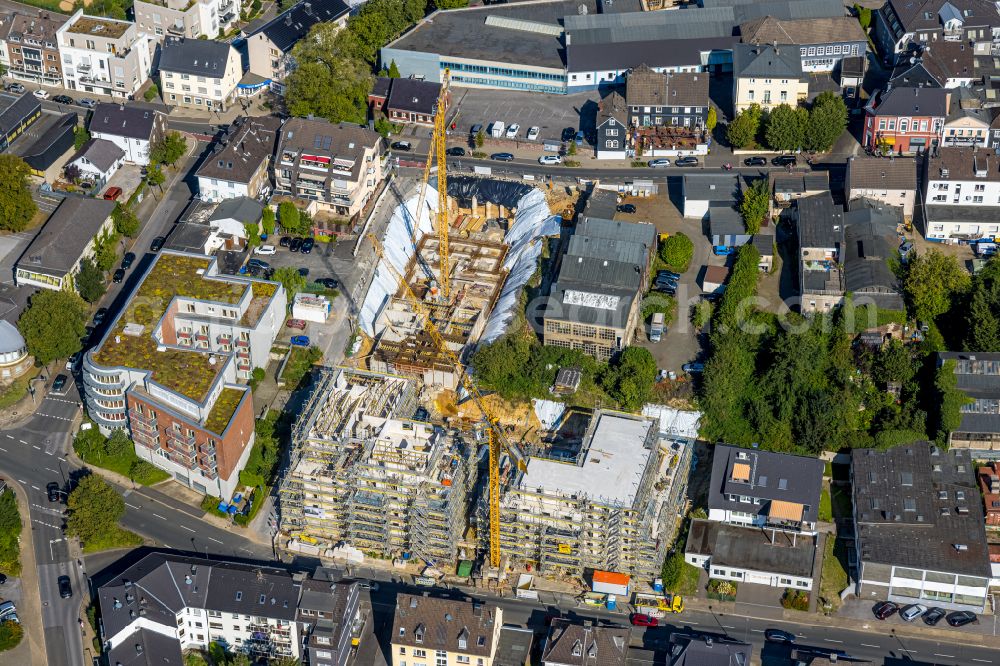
point(612, 505)
point(365, 475)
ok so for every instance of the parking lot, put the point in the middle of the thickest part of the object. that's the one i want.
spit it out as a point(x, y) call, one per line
point(550, 113)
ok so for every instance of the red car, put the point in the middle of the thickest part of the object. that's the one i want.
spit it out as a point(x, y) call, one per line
point(643, 620)
point(300, 324)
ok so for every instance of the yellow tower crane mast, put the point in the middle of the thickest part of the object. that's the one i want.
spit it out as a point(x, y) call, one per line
point(440, 143)
point(498, 441)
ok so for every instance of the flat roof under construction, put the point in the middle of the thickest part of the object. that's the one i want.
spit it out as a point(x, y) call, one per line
point(612, 468)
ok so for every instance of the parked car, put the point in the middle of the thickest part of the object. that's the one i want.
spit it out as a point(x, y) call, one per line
point(456, 152)
point(157, 244)
point(669, 291)
point(659, 162)
point(625, 208)
point(723, 250)
point(41, 94)
point(784, 160)
point(885, 609)
point(550, 160)
point(258, 263)
point(912, 612)
point(54, 492)
point(665, 282)
point(693, 368)
point(755, 161)
point(285, 240)
point(502, 157)
point(297, 324)
point(307, 246)
point(88, 103)
point(933, 616)
point(327, 282)
point(532, 133)
point(73, 361)
point(643, 620)
point(265, 249)
point(300, 340)
point(568, 133)
point(668, 274)
point(7, 607)
point(778, 636)
point(112, 193)
point(100, 315)
point(118, 276)
point(65, 588)
point(475, 129)
point(16, 88)
point(686, 161)
point(403, 146)
point(295, 245)
point(512, 130)
point(962, 618)
point(579, 138)
point(59, 385)
point(128, 260)
point(62, 99)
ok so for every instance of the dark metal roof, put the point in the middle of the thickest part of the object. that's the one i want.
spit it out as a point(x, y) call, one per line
point(869, 241)
point(764, 244)
point(918, 506)
point(716, 187)
point(147, 648)
point(52, 144)
point(290, 26)
point(910, 101)
point(15, 110)
point(725, 221)
point(820, 222)
point(199, 57)
point(60, 243)
point(752, 548)
point(127, 120)
point(514, 646)
point(413, 95)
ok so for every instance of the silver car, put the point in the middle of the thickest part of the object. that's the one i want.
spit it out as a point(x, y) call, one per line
point(661, 162)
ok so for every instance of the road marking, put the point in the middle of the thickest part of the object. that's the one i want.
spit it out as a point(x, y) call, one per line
point(159, 516)
point(49, 469)
point(49, 453)
point(983, 661)
point(22, 441)
point(3, 449)
point(132, 506)
point(215, 540)
point(35, 446)
point(185, 527)
point(946, 656)
point(832, 640)
point(63, 458)
point(726, 626)
point(35, 487)
point(869, 645)
point(10, 436)
point(757, 631)
point(52, 416)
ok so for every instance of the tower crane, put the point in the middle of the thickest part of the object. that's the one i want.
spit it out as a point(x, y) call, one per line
point(498, 441)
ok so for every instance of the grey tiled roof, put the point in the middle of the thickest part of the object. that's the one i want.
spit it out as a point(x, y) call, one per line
point(246, 144)
point(725, 221)
point(897, 173)
point(514, 647)
point(721, 188)
point(820, 222)
point(752, 60)
point(696, 651)
point(869, 242)
point(198, 57)
point(101, 152)
point(413, 95)
point(244, 209)
point(908, 101)
point(127, 120)
point(147, 648)
point(292, 25)
point(60, 243)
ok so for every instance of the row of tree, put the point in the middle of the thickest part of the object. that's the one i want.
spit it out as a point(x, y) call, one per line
point(790, 128)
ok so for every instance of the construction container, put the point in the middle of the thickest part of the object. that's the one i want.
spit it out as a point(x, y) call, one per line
point(610, 582)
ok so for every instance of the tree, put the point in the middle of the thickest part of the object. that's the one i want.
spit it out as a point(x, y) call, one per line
point(893, 364)
point(932, 282)
point(94, 509)
point(330, 80)
point(152, 92)
point(155, 176)
point(106, 251)
point(253, 234)
point(194, 658)
point(630, 379)
point(786, 128)
point(291, 279)
point(53, 324)
point(289, 217)
point(169, 149)
point(268, 221)
point(126, 222)
point(673, 570)
point(80, 137)
point(90, 281)
point(242, 659)
point(712, 120)
point(73, 173)
point(950, 400)
point(480, 139)
point(677, 251)
point(864, 16)
point(394, 70)
point(17, 208)
point(11, 634)
point(755, 205)
point(827, 121)
point(742, 131)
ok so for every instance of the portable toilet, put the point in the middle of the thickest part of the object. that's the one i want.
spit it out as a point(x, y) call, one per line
point(611, 602)
point(658, 585)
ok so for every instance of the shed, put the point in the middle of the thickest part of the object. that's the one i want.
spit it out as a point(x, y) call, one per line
point(714, 279)
point(726, 228)
point(765, 247)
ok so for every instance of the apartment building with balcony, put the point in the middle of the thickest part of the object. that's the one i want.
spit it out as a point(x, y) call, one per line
point(103, 56)
point(29, 50)
point(184, 18)
point(333, 168)
point(171, 368)
point(199, 73)
point(902, 24)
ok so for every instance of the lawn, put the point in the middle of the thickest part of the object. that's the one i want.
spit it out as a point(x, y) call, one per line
point(18, 388)
point(299, 363)
point(118, 537)
point(10, 533)
point(834, 578)
point(688, 585)
point(825, 507)
point(116, 456)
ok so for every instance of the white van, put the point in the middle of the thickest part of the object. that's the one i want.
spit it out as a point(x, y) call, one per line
point(497, 129)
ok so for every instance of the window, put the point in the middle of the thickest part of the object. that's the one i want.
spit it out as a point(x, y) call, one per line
point(419, 654)
point(784, 96)
point(611, 143)
point(402, 650)
point(750, 95)
point(462, 659)
point(980, 188)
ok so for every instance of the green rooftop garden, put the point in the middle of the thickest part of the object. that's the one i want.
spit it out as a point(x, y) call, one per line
point(223, 410)
point(188, 373)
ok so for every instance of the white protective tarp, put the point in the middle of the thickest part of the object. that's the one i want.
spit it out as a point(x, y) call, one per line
point(548, 412)
point(398, 249)
point(674, 423)
point(532, 222)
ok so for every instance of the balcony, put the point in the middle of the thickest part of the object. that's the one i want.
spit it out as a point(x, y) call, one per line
point(243, 343)
point(175, 30)
point(201, 337)
point(83, 68)
point(224, 339)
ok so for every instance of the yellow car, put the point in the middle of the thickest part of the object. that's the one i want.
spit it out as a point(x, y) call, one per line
point(672, 603)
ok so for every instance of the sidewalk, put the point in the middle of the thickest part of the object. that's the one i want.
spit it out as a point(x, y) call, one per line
point(29, 607)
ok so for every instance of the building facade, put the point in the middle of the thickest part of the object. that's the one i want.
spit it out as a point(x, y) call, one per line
point(103, 56)
point(199, 73)
point(170, 367)
point(977, 375)
point(905, 121)
point(899, 25)
point(15, 360)
point(207, 19)
point(892, 182)
point(767, 75)
point(444, 632)
point(29, 49)
point(239, 163)
point(333, 168)
point(823, 42)
point(133, 129)
point(962, 195)
point(330, 620)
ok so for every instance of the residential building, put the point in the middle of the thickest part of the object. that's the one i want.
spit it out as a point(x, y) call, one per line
point(366, 477)
point(612, 505)
point(700, 192)
point(892, 182)
point(569, 644)
point(900, 24)
point(52, 259)
point(613, 129)
point(329, 618)
point(207, 19)
point(962, 195)
point(594, 304)
point(269, 46)
point(871, 248)
point(977, 375)
point(199, 73)
point(788, 188)
point(336, 168)
point(167, 603)
point(15, 361)
point(220, 230)
point(17, 113)
point(823, 42)
point(766, 248)
point(239, 161)
point(906, 120)
point(514, 646)
point(726, 227)
point(704, 650)
point(968, 123)
point(97, 161)
point(449, 631)
point(132, 128)
point(29, 50)
point(103, 56)
point(821, 235)
point(919, 529)
point(753, 488)
point(989, 486)
point(947, 65)
point(767, 75)
point(413, 101)
point(169, 366)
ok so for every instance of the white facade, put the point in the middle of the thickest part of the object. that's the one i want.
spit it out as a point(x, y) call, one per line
point(948, 192)
point(103, 56)
point(136, 150)
point(768, 93)
point(215, 189)
point(907, 585)
point(182, 18)
point(90, 171)
point(742, 575)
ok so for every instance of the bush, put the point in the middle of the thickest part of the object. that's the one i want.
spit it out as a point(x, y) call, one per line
point(676, 252)
point(152, 92)
point(11, 634)
point(94, 510)
point(210, 504)
point(795, 600)
point(722, 590)
point(10, 535)
point(117, 454)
